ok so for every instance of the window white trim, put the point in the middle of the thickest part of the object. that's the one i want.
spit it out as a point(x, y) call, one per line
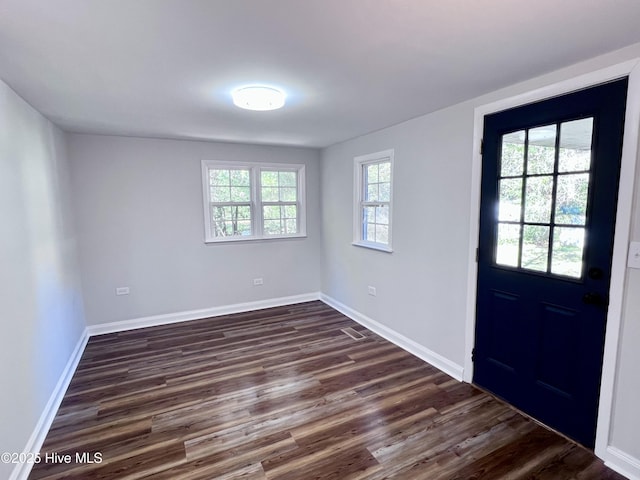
point(256, 203)
point(359, 163)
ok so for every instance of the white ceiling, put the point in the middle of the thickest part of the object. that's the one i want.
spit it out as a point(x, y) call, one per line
point(164, 68)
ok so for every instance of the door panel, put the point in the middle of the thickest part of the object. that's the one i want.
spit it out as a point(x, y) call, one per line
point(549, 192)
point(557, 327)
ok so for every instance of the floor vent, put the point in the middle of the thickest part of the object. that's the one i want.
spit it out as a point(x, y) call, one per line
point(352, 333)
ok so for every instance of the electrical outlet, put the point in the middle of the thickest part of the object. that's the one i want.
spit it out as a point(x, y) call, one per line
point(122, 291)
point(372, 291)
point(257, 281)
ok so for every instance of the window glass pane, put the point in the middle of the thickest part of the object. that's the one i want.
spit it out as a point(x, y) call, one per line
point(382, 234)
point(243, 212)
point(218, 177)
point(272, 227)
point(370, 232)
point(220, 194)
point(571, 199)
point(510, 199)
point(279, 186)
point(270, 212)
point(240, 194)
point(372, 193)
point(290, 211)
point(270, 194)
point(239, 177)
point(541, 150)
point(244, 227)
point(382, 215)
point(568, 248)
point(508, 244)
point(372, 173)
point(537, 206)
point(291, 226)
point(288, 179)
point(376, 223)
point(269, 179)
point(370, 214)
point(512, 160)
point(230, 220)
point(384, 172)
point(575, 145)
point(288, 194)
point(385, 192)
point(535, 247)
point(280, 219)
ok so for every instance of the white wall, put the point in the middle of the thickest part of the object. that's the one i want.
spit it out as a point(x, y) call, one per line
point(422, 286)
point(419, 285)
point(626, 419)
point(140, 223)
point(41, 300)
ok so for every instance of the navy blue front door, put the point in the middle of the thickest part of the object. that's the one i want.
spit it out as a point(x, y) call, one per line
point(550, 176)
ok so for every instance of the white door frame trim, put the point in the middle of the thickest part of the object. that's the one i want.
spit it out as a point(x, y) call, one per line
point(621, 235)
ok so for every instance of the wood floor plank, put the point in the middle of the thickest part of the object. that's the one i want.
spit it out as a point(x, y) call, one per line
point(283, 393)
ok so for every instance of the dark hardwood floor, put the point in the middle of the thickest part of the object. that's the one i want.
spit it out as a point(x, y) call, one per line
point(284, 394)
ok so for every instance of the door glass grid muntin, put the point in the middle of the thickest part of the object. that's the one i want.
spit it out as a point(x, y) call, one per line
point(552, 240)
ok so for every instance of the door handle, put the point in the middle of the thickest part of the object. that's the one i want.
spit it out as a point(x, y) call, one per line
point(593, 298)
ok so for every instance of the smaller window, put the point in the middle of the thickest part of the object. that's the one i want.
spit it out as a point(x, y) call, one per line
point(373, 176)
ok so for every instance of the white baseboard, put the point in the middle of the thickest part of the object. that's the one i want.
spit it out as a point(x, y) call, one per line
point(177, 317)
point(420, 351)
point(34, 444)
point(623, 463)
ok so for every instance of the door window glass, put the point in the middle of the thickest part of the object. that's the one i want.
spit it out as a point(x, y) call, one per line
point(541, 148)
point(510, 199)
point(535, 247)
point(575, 145)
point(512, 158)
point(544, 190)
point(568, 244)
point(508, 244)
point(538, 199)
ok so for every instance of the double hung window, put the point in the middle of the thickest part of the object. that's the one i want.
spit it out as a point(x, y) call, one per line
point(373, 200)
point(251, 201)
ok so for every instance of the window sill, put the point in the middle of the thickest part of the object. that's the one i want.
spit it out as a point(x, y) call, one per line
point(210, 241)
point(373, 246)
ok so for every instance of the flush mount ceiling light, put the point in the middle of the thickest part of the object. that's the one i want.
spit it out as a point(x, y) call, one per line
point(258, 97)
